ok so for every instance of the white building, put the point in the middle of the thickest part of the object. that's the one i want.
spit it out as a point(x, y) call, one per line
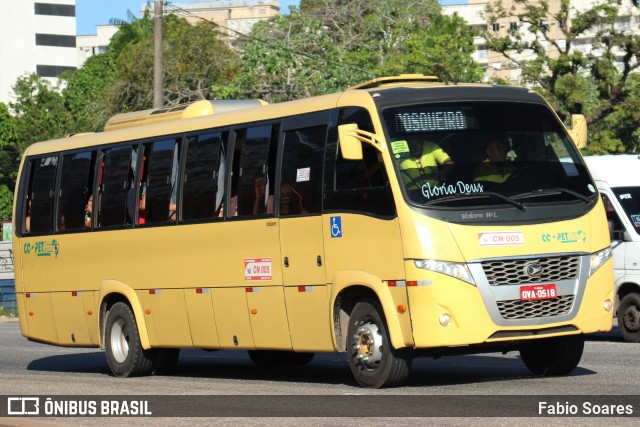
point(497, 65)
point(37, 36)
point(93, 44)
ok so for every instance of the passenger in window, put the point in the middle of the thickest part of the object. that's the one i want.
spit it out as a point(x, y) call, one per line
point(88, 212)
point(262, 202)
point(290, 201)
point(495, 167)
point(27, 218)
point(428, 163)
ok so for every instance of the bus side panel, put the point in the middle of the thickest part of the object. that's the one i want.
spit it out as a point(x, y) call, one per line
point(169, 317)
point(309, 318)
point(69, 318)
point(268, 317)
point(39, 315)
point(232, 318)
point(202, 321)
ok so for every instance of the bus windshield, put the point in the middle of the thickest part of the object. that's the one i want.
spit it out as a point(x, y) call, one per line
point(484, 153)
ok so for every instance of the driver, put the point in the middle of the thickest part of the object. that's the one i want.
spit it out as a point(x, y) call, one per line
point(494, 168)
point(422, 166)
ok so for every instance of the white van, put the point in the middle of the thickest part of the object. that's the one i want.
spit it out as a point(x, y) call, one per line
point(618, 179)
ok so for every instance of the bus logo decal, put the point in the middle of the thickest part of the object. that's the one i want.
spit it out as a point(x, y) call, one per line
point(336, 226)
point(42, 248)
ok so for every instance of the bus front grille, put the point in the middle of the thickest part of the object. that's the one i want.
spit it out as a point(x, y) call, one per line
point(518, 309)
point(514, 271)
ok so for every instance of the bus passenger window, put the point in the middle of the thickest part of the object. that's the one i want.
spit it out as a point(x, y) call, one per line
point(39, 212)
point(301, 184)
point(159, 181)
point(117, 202)
point(76, 187)
point(204, 174)
point(253, 166)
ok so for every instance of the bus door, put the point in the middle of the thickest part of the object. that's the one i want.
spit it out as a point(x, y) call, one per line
point(301, 236)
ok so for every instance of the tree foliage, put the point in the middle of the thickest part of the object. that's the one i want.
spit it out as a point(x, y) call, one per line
point(195, 59)
point(327, 46)
point(601, 83)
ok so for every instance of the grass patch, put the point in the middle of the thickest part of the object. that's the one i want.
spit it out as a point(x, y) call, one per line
point(8, 312)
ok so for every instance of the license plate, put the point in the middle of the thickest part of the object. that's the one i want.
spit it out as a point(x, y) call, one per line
point(538, 292)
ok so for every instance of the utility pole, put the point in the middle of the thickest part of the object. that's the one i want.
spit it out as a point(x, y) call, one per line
point(157, 55)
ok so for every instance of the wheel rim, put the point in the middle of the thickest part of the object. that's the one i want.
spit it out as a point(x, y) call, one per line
point(367, 345)
point(632, 319)
point(119, 341)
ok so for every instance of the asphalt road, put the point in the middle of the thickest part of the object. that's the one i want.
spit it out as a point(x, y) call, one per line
point(609, 368)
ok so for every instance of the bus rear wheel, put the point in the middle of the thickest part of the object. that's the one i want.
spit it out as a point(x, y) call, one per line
point(373, 361)
point(629, 317)
point(553, 356)
point(125, 355)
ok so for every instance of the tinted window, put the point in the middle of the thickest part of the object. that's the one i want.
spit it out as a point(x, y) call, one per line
point(158, 193)
point(251, 184)
point(40, 202)
point(301, 184)
point(75, 188)
point(203, 176)
point(117, 195)
point(356, 185)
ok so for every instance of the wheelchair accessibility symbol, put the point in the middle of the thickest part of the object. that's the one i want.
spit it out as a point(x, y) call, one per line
point(336, 226)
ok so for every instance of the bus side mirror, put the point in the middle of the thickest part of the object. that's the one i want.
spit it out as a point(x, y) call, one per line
point(578, 130)
point(350, 145)
point(351, 139)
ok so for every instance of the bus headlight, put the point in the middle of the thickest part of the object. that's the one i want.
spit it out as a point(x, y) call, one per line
point(454, 269)
point(598, 259)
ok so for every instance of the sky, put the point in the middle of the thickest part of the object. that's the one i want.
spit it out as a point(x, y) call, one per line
point(90, 13)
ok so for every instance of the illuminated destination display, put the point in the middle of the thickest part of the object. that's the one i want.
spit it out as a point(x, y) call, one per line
point(432, 120)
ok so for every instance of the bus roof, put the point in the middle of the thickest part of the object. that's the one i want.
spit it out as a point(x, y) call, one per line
point(617, 170)
point(222, 113)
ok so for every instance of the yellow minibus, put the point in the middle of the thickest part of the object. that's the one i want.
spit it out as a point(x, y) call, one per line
point(400, 218)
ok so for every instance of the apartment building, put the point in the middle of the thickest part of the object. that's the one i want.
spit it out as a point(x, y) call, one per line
point(38, 36)
point(232, 16)
point(498, 66)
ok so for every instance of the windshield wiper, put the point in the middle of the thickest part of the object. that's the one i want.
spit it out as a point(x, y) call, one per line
point(484, 194)
point(550, 191)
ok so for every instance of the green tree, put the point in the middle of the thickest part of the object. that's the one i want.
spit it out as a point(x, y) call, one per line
point(87, 91)
point(601, 84)
point(327, 46)
point(39, 112)
point(195, 59)
point(8, 161)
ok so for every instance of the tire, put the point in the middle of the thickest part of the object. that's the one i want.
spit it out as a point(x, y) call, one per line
point(373, 361)
point(125, 354)
point(553, 356)
point(273, 358)
point(629, 317)
point(165, 361)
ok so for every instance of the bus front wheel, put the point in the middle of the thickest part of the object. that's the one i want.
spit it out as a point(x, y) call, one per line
point(373, 361)
point(125, 355)
point(553, 356)
point(629, 317)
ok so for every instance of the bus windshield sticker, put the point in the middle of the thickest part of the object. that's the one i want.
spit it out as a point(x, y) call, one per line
point(636, 220)
point(257, 269)
point(501, 238)
point(303, 174)
point(400, 149)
